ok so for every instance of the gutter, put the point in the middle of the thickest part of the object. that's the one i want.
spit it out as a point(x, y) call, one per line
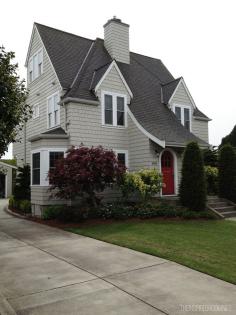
point(47, 136)
point(78, 100)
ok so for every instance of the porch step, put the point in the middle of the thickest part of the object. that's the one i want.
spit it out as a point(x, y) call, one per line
point(222, 207)
point(218, 204)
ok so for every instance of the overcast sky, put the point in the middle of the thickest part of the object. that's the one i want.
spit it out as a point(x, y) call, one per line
point(194, 38)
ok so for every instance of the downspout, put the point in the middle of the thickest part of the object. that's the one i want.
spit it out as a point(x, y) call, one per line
point(24, 143)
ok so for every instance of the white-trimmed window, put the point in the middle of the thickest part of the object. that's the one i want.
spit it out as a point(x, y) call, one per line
point(42, 161)
point(114, 109)
point(36, 168)
point(35, 67)
point(35, 111)
point(122, 157)
point(183, 114)
point(53, 110)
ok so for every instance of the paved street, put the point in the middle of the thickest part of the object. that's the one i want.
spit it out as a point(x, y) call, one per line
point(44, 270)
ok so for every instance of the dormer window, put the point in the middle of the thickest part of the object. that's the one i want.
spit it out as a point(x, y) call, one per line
point(35, 66)
point(183, 114)
point(114, 109)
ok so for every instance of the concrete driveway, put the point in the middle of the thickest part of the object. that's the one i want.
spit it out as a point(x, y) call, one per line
point(44, 270)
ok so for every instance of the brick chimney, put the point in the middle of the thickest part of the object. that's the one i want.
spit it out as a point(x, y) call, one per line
point(116, 39)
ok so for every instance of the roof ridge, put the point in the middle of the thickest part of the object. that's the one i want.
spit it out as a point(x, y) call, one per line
point(69, 33)
point(153, 74)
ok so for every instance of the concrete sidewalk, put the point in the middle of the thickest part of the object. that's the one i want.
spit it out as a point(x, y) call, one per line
point(44, 270)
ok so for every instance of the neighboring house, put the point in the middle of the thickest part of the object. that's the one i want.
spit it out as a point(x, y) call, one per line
point(6, 177)
point(97, 92)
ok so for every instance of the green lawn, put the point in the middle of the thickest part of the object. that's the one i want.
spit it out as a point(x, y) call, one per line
point(207, 246)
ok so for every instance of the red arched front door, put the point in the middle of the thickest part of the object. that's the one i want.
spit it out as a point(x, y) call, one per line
point(167, 168)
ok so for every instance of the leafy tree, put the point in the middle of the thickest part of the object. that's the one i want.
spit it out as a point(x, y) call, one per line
point(84, 172)
point(230, 139)
point(22, 186)
point(210, 157)
point(14, 111)
point(227, 172)
point(193, 182)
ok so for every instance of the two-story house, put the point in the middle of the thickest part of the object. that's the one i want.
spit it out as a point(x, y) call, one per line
point(98, 92)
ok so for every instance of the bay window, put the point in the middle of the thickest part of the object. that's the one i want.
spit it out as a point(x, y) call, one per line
point(114, 109)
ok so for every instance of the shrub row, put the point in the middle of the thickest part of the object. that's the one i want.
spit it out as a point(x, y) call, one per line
point(119, 211)
point(23, 206)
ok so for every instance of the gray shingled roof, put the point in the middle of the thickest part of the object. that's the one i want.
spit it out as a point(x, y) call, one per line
point(168, 90)
point(148, 79)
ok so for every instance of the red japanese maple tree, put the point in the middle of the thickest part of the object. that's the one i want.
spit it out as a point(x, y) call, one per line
point(84, 172)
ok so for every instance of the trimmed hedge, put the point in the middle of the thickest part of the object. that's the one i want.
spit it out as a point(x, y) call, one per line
point(193, 182)
point(227, 172)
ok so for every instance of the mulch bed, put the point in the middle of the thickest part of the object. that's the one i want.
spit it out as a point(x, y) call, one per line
point(93, 222)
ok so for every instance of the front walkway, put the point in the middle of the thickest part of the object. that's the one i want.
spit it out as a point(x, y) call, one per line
point(44, 270)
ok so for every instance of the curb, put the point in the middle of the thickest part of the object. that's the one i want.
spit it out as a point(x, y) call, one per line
point(7, 210)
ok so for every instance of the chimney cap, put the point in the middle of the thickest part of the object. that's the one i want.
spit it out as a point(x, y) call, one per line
point(115, 20)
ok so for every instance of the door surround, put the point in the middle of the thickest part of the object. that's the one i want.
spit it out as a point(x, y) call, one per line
point(175, 165)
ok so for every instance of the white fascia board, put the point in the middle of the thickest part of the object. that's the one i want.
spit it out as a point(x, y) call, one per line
point(114, 64)
point(161, 143)
point(187, 91)
point(8, 165)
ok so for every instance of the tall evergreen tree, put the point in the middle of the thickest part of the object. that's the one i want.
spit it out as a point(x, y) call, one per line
point(193, 182)
point(227, 172)
point(230, 139)
point(22, 187)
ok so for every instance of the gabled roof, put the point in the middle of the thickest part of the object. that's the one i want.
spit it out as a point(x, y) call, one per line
point(168, 90)
point(66, 52)
point(80, 64)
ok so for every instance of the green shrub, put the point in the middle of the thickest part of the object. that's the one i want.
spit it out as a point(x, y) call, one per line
point(11, 202)
point(51, 212)
point(144, 182)
point(227, 172)
point(73, 214)
point(193, 182)
point(212, 175)
point(25, 206)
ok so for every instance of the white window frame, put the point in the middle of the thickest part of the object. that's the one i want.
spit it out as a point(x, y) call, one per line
point(114, 109)
point(44, 164)
point(37, 112)
point(126, 152)
point(58, 123)
point(31, 169)
point(35, 68)
point(182, 107)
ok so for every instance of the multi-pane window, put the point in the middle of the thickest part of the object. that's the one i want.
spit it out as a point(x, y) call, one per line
point(36, 168)
point(183, 115)
point(178, 112)
point(35, 68)
point(121, 158)
point(53, 158)
point(35, 111)
point(120, 111)
point(108, 110)
point(53, 111)
point(187, 118)
point(114, 113)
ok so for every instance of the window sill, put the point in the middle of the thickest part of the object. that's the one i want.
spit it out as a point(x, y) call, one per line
point(114, 127)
